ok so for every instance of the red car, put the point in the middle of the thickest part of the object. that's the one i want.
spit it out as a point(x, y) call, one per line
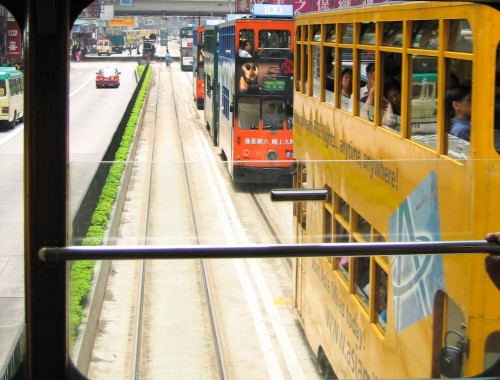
point(107, 77)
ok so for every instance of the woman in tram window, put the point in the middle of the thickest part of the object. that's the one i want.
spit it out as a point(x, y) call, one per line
point(346, 89)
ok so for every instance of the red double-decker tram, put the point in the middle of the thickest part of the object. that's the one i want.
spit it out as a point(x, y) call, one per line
point(255, 82)
point(198, 66)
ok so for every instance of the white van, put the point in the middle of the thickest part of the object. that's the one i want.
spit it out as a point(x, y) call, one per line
point(103, 47)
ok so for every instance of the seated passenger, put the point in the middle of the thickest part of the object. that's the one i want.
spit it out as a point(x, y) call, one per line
point(245, 49)
point(392, 97)
point(370, 77)
point(458, 107)
point(346, 89)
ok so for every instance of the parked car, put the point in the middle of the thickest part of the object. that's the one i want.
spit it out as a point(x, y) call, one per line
point(107, 77)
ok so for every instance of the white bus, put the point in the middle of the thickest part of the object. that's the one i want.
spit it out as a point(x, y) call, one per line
point(11, 96)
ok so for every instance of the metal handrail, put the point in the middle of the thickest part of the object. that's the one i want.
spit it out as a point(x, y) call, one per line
point(57, 254)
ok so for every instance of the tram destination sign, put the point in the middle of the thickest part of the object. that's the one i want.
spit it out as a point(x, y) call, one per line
point(274, 85)
point(273, 10)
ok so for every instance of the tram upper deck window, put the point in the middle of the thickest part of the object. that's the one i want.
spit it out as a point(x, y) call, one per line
point(274, 43)
point(393, 34)
point(316, 61)
point(345, 81)
point(425, 34)
point(424, 100)
point(331, 33)
point(347, 31)
point(316, 29)
point(458, 107)
point(329, 76)
point(367, 33)
point(248, 35)
point(460, 36)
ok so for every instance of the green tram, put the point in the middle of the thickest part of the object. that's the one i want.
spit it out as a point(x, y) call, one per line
point(212, 93)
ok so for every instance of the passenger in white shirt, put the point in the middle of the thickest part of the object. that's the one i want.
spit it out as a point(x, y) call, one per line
point(370, 77)
point(245, 49)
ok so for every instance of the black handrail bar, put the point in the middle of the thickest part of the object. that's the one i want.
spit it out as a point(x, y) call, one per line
point(58, 254)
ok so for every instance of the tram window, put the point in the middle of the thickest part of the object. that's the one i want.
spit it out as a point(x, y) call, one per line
point(298, 34)
point(208, 81)
point(303, 214)
point(497, 102)
point(298, 67)
point(425, 34)
point(380, 296)
point(327, 237)
point(341, 236)
point(343, 209)
point(316, 33)
point(329, 57)
point(424, 101)
point(331, 33)
point(346, 33)
point(273, 114)
point(316, 71)
point(345, 80)
point(458, 146)
point(391, 91)
point(361, 268)
point(247, 117)
point(366, 81)
point(247, 35)
point(460, 37)
point(363, 228)
point(367, 33)
point(393, 33)
point(305, 70)
point(274, 43)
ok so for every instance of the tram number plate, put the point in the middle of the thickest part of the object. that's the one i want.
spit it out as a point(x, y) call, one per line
point(274, 85)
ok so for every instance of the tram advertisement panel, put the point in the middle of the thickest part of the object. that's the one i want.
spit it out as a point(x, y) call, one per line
point(261, 77)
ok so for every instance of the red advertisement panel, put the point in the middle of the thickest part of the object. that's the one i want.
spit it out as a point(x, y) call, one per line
point(242, 6)
point(301, 6)
point(13, 40)
point(322, 5)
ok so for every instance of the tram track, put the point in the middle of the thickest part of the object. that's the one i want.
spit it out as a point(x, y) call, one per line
point(205, 276)
point(185, 309)
point(136, 374)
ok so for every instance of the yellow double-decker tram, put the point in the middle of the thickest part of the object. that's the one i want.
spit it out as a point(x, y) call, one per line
point(394, 115)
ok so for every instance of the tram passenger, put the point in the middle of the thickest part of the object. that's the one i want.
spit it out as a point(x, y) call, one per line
point(370, 81)
point(245, 49)
point(392, 98)
point(346, 89)
point(458, 106)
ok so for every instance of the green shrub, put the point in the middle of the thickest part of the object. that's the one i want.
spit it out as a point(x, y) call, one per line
point(82, 271)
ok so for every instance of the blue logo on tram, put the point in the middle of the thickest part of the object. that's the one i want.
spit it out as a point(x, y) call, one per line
point(416, 279)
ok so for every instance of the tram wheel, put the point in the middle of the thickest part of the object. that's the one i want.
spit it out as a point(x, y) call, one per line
point(324, 368)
